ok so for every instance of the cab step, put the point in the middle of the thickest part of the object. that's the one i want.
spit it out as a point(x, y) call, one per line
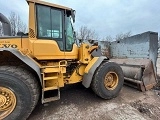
point(50, 78)
point(50, 95)
point(50, 88)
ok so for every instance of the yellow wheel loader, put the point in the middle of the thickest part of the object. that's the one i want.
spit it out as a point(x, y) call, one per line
point(36, 65)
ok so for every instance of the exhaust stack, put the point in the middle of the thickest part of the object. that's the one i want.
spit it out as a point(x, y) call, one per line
point(6, 25)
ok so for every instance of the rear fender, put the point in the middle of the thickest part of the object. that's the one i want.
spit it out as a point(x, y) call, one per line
point(25, 59)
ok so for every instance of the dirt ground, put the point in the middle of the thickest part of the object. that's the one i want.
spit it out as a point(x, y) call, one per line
point(79, 103)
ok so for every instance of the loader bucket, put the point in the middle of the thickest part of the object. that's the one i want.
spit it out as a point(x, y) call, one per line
point(138, 73)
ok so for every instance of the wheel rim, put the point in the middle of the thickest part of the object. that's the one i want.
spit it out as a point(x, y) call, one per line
point(7, 102)
point(111, 80)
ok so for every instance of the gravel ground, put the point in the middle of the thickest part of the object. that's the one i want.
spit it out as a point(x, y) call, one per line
point(79, 103)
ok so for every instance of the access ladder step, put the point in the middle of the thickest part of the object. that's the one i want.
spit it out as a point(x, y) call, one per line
point(46, 100)
point(50, 88)
point(51, 70)
point(50, 95)
point(51, 78)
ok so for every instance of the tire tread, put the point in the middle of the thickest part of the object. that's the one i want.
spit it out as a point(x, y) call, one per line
point(29, 80)
point(96, 79)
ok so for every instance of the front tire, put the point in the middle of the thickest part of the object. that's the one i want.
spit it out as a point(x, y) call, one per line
point(22, 90)
point(108, 80)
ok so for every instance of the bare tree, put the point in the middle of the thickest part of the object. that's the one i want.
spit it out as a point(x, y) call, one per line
point(17, 25)
point(85, 33)
point(108, 38)
point(123, 36)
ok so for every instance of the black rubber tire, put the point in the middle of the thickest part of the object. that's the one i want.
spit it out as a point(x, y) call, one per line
point(25, 87)
point(97, 84)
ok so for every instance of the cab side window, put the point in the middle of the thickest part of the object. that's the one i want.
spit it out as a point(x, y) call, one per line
point(43, 21)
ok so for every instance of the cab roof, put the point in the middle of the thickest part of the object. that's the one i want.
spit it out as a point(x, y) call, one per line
point(49, 4)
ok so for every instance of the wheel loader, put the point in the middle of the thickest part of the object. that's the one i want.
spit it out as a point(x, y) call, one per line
point(38, 64)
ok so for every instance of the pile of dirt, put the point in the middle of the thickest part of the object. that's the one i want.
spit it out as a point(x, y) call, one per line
point(146, 109)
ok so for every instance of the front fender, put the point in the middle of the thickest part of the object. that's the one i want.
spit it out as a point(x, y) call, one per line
point(90, 69)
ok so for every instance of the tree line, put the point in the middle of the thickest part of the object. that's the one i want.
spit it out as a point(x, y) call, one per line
point(84, 33)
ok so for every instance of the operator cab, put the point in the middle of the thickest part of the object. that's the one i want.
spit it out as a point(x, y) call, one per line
point(55, 24)
point(53, 31)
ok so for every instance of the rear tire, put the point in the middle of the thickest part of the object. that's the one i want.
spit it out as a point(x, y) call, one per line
point(24, 87)
point(108, 80)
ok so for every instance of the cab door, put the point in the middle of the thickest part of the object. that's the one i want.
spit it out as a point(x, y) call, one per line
point(50, 43)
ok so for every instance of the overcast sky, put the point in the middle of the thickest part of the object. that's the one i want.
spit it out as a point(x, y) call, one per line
point(106, 17)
